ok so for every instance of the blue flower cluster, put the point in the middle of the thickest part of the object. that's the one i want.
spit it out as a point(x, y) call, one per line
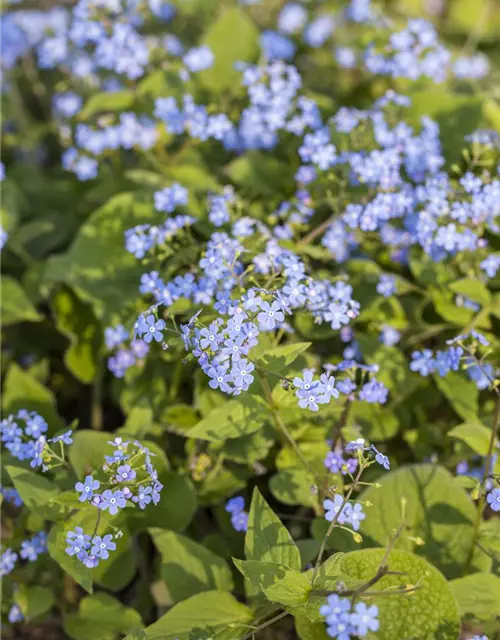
point(11, 496)
point(426, 362)
point(416, 51)
point(30, 550)
point(132, 479)
point(344, 620)
point(28, 442)
point(350, 514)
point(239, 517)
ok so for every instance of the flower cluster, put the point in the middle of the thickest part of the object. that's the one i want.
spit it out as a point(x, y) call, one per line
point(11, 496)
point(131, 479)
point(30, 550)
point(239, 517)
point(426, 362)
point(28, 442)
point(343, 619)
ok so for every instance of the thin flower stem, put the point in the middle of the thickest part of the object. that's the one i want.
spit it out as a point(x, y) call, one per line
point(487, 468)
point(282, 427)
point(334, 522)
point(268, 623)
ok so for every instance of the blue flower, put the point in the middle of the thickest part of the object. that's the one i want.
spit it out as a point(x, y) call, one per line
point(15, 614)
point(152, 329)
point(125, 473)
point(143, 496)
point(199, 58)
point(381, 458)
point(65, 438)
point(364, 618)
point(113, 501)
point(240, 521)
point(270, 315)
point(101, 546)
point(493, 499)
point(235, 505)
point(332, 507)
point(8, 561)
point(87, 488)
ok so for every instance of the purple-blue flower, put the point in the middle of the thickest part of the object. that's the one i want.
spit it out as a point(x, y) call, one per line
point(143, 497)
point(112, 501)
point(87, 488)
point(493, 499)
point(102, 546)
point(125, 473)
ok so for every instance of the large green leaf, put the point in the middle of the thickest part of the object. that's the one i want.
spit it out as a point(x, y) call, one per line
point(36, 490)
point(187, 567)
point(34, 601)
point(475, 435)
point(97, 265)
point(22, 391)
point(267, 539)
point(478, 594)
point(106, 102)
point(437, 510)
point(212, 614)
point(16, 306)
point(76, 321)
point(293, 486)
point(278, 582)
point(427, 614)
point(101, 617)
point(461, 393)
point(232, 38)
point(279, 358)
point(177, 506)
point(233, 419)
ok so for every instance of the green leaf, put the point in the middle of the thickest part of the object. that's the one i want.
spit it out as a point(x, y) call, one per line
point(33, 601)
point(233, 419)
point(36, 491)
point(105, 102)
point(293, 486)
point(76, 321)
point(101, 617)
point(89, 448)
point(188, 568)
point(258, 174)
point(427, 614)
point(377, 423)
point(278, 359)
point(276, 581)
point(69, 564)
point(23, 391)
point(215, 613)
point(16, 306)
point(476, 436)
point(177, 506)
point(478, 594)
point(232, 38)
point(461, 393)
point(473, 289)
point(267, 539)
point(436, 509)
point(97, 266)
point(308, 630)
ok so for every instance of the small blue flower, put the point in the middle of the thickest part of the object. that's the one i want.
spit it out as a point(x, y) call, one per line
point(240, 521)
point(65, 438)
point(87, 488)
point(235, 505)
point(143, 496)
point(125, 473)
point(15, 615)
point(365, 618)
point(102, 546)
point(8, 561)
point(153, 329)
point(332, 507)
point(381, 458)
point(493, 499)
point(113, 501)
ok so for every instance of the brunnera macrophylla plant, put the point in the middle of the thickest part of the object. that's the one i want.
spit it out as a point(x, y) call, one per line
point(251, 327)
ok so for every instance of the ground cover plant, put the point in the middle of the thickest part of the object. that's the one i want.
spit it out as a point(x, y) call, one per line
point(250, 320)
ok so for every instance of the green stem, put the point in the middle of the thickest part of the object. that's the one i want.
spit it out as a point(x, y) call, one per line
point(487, 469)
point(334, 522)
point(268, 623)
